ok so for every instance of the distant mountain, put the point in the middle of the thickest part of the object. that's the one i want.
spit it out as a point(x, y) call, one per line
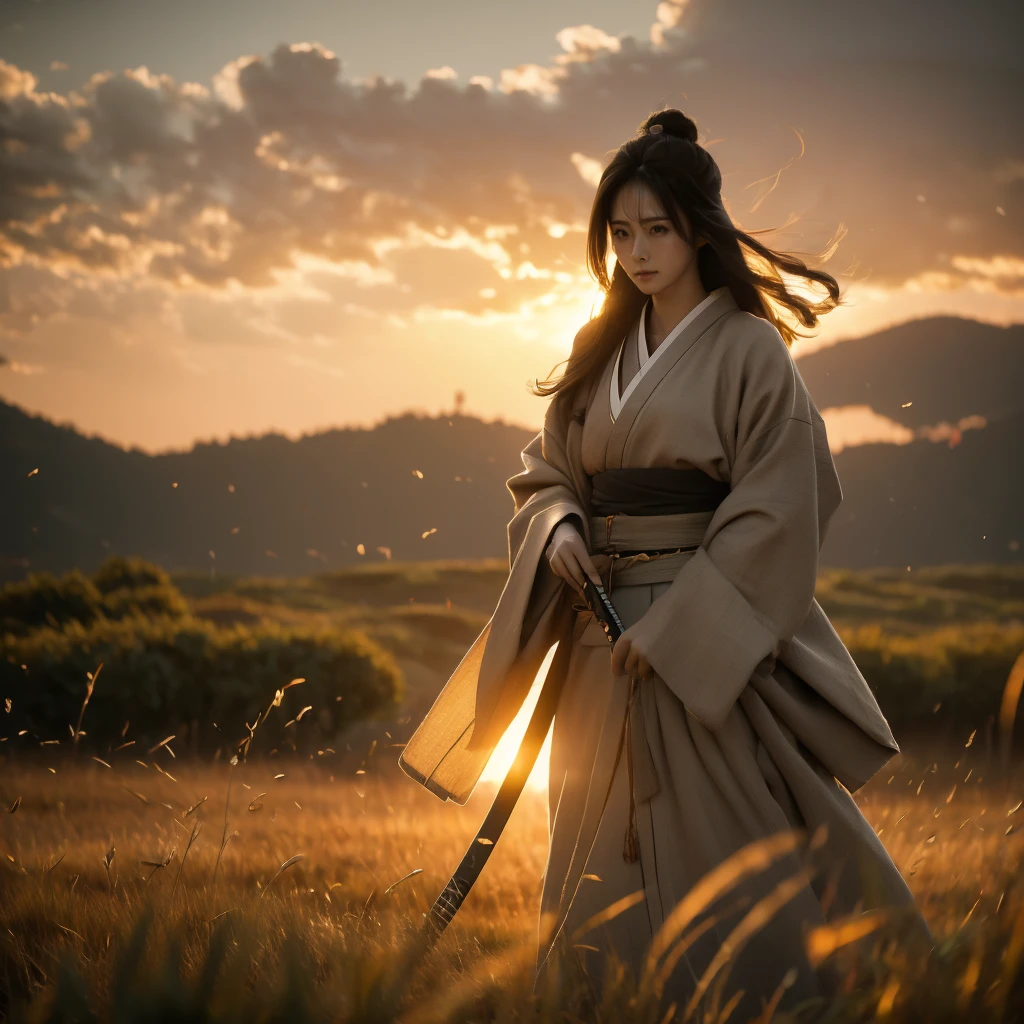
point(273, 506)
point(947, 367)
point(929, 504)
point(907, 504)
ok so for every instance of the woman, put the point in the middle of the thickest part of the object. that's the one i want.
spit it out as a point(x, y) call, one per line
point(683, 463)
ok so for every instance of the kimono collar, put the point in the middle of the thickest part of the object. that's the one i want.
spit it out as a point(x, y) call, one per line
point(646, 360)
point(643, 350)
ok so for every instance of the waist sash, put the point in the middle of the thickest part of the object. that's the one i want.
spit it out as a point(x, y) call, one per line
point(646, 523)
point(655, 491)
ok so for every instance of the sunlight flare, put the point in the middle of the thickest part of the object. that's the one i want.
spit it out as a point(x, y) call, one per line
point(505, 752)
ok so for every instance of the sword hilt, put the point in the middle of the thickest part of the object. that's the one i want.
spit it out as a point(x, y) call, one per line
point(446, 906)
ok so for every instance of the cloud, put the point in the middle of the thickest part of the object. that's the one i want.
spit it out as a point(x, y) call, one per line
point(15, 367)
point(138, 181)
point(852, 425)
point(668, 15)
point(582, 42)
point(14, 81)
point(1004, 272)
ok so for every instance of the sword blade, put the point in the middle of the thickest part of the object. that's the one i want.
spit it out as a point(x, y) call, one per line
point(447, 904)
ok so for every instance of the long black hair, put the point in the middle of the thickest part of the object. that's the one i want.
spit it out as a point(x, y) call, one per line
point(683, 175)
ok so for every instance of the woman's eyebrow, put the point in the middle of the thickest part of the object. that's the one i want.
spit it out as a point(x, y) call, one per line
point(643, 220)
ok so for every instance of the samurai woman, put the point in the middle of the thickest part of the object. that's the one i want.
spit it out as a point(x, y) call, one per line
point(683, 465)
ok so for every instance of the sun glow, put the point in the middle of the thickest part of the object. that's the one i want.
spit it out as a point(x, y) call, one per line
point(505, 752)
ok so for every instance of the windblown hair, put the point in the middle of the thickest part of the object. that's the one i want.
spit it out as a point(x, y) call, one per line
point(684, 176)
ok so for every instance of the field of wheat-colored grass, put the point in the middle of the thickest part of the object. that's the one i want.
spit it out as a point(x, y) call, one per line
point(140, 884)
point(212, 850)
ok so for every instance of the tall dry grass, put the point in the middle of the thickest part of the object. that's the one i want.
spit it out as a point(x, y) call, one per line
point(136, 885)
point(270, 890)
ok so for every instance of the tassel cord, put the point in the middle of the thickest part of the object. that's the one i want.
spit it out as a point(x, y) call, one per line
point(631, 842)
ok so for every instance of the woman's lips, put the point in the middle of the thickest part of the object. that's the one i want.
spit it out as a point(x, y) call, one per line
point(646, 273)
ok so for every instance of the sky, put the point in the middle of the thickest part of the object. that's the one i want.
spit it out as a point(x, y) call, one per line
point(225, 217)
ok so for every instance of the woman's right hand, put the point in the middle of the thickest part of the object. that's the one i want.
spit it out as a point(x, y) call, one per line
point(568, 556)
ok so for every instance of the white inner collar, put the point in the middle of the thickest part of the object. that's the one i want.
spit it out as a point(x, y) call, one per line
point(645, 358)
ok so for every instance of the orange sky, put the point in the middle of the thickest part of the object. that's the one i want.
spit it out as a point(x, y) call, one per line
point(287, 246)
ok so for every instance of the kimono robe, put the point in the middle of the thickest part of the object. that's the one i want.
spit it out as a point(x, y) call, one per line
point(754, 719)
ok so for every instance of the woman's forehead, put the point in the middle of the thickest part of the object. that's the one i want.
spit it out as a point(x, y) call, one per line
point(636, 202)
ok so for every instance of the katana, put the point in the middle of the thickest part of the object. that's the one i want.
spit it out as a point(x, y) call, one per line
point(453, 895)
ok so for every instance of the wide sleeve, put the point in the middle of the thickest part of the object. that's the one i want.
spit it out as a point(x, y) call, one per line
point(545, 484)
point(450, 747)
point(524, 620)
point(750, 584)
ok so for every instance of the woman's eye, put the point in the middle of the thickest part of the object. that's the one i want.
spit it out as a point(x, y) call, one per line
point(659, 227)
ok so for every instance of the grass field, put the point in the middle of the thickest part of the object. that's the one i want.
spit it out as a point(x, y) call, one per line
point(146, 886)
point(82, 854)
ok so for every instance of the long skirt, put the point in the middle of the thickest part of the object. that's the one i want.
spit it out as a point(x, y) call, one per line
point(702, 797)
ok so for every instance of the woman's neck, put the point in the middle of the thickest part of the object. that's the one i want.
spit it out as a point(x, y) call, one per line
point(669, 306)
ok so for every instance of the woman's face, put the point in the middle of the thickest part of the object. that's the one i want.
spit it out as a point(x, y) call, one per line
point(650, 250)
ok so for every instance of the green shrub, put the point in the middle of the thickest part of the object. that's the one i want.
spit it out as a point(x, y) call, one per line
point(185, 676)
point(150, 600)
point(119, 572)
point(43, 600)
point(120, 587)
point(955, 674)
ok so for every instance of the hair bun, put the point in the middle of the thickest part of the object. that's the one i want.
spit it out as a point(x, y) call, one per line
point(673, 122)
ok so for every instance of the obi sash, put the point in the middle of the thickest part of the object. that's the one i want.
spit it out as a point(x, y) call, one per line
point(645, 523)
point(655, 491)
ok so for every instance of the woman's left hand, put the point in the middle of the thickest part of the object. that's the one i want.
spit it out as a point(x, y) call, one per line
point(626, 658)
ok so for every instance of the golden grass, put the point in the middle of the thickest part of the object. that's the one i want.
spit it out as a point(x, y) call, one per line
point(350, 864)
point(356, 836)
point(302, 885)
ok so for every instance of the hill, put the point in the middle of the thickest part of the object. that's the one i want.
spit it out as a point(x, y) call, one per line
point(264, 505)
point(269, 505)
point(946, 366)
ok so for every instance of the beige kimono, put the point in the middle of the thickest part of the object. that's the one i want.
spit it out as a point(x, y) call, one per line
point(755, 720)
